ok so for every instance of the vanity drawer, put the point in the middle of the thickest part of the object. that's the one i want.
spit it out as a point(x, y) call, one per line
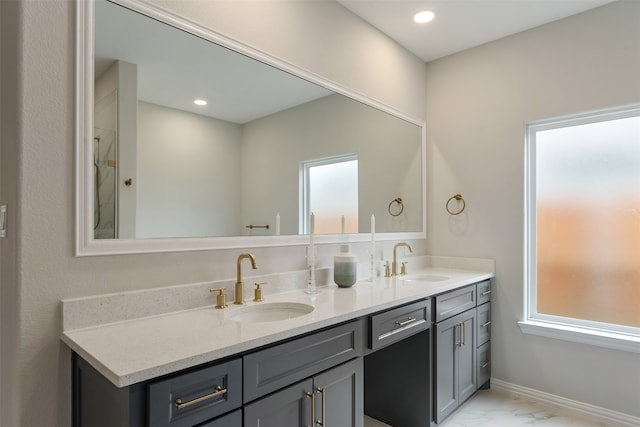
point(484, 291)
point(398, 323)
point(276, 367)
point(483, 324)
point(197, 396)
point(233, 419)
point(455, 302)
point(484, 364)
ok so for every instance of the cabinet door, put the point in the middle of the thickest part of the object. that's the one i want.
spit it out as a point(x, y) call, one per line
point(233, 419)
point(339, 395)
point(447, 339)
point(455, 364)
point(290, 407)
point(466, 356)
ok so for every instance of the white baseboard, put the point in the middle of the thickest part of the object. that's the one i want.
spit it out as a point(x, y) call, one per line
point(594, 412)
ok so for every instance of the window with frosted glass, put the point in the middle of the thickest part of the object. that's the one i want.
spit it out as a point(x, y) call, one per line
point(585, 218)
point(332, 194)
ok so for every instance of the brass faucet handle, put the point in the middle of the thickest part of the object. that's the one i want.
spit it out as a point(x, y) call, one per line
point(387, 269)
point(257, 293)
point(403, 269)
point(221, 297)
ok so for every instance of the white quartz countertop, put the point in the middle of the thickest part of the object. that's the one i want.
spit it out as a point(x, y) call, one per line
point(136, 350)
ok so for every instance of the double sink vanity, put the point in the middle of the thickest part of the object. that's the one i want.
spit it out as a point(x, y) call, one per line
point(405, 350)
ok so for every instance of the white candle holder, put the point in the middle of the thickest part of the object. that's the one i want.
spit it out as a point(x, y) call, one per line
point(311, 271)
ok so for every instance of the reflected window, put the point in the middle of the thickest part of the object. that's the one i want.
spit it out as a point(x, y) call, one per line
point(330, 190)
point(583, 221)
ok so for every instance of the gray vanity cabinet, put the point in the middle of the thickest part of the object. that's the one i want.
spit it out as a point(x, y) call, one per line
point(331, 398)
point(412, 373)
point(462, 338)
point(455, 364)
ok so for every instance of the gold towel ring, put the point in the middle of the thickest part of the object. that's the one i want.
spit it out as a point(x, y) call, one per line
point(399, 202)
point(457, 197)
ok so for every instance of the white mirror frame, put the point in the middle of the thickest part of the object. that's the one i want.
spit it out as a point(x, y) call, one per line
point(86, 245)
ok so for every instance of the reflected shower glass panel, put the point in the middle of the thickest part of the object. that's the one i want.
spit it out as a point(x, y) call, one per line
point(104, 168)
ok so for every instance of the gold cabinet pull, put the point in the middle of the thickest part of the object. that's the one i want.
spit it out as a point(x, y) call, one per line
point(487, 323)
point(313, 408)
point(219, 391)
point(406, 322)
point(487, 292)
point(485, 364)
point(321, 421)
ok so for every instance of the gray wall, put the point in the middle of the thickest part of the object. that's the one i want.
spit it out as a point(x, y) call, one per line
point(478, 102)
point(38, 266)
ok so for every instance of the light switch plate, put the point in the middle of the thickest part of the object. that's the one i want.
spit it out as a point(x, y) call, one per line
point(3, 221)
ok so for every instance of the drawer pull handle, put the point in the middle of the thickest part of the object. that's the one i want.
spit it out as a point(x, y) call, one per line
point(487, 292)
point(219, 391)
point(487, 323)
point(485, 364)
point(406, 322)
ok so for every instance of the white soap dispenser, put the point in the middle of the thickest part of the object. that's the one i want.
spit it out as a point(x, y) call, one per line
point(345, 267)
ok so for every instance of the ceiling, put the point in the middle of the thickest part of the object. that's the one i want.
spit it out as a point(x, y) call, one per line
point(174, 67)
point(461, 24)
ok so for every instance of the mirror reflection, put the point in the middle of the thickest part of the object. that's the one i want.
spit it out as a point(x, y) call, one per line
point(192, 139)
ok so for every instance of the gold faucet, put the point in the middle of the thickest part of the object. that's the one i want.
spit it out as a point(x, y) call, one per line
point(239, 285)
point(394, 266)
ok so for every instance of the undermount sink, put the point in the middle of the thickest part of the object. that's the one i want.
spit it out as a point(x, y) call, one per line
point(425, 278)
point(269, 312)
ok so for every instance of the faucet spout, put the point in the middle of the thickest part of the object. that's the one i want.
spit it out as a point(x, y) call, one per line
point(239, 299)
point(394, 265)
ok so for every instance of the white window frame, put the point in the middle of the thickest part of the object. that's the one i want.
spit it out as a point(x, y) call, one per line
point(577, 330)
point(305, 192)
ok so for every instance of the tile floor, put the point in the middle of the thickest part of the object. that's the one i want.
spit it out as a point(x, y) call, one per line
point(495, 409)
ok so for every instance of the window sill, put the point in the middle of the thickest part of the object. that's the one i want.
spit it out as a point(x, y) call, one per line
point(581, 335)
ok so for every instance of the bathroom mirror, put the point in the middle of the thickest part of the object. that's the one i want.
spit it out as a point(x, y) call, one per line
point(159, 173)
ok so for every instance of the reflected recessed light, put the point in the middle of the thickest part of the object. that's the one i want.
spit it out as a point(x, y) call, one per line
point(424, 16)
point(200, 102)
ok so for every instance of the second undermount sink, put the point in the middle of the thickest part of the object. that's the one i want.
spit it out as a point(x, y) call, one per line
point(269, 312)
point(425, 278)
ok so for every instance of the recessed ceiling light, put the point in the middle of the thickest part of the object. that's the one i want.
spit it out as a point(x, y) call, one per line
point(424, 16)
point(200, 102)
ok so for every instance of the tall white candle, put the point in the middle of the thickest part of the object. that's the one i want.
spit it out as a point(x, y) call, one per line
point(278, 224)
point(373, 234)
point(342, 224)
